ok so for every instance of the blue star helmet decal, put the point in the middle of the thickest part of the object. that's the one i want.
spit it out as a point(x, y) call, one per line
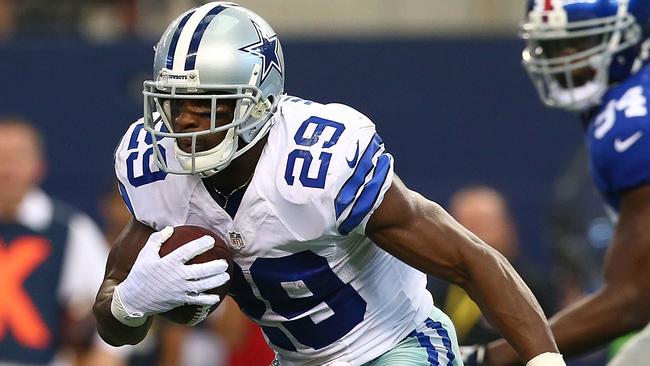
point(267, 49)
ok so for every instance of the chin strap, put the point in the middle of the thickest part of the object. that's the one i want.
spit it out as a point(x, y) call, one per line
point(578, 98)
point(216, 158)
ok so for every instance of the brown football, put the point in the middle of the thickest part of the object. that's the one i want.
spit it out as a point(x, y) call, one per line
point(188, 314)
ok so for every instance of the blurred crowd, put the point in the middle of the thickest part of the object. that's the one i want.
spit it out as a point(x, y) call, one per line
point(109, 20)
point(94, 20)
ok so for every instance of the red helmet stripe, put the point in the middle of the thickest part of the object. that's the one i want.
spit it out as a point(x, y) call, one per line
point(548, 5)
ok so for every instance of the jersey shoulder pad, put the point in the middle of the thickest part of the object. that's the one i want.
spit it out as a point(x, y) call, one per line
point(154, 197)
point(330, 166)
point(618, 138)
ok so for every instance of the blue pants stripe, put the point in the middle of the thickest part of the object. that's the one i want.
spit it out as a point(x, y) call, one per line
point(446, 340)
point(425, 342)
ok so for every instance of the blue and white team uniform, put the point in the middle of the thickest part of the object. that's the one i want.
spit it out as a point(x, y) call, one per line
point(618, 139)
point(320, 289)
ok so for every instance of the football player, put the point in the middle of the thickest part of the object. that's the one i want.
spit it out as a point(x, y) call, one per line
point(589, 57)
point(328, 243)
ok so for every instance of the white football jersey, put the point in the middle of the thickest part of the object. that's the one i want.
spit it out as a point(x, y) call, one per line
point(305, 271)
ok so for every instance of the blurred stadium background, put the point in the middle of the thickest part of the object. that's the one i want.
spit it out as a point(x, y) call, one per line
point(441, 79)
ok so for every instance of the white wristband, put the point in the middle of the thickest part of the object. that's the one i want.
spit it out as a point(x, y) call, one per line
point(122, 315)
point(547, 359)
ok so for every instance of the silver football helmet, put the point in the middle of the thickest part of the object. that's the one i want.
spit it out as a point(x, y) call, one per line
point(213, 52)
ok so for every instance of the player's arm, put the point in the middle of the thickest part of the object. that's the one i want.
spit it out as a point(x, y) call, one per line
point(622, 304)
point(139, 283)
point(420, 233)
point(120, 260)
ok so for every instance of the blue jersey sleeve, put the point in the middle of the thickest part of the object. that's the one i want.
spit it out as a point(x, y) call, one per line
point(619, 142)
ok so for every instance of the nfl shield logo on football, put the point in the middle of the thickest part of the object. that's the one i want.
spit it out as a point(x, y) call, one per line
point(236, 240)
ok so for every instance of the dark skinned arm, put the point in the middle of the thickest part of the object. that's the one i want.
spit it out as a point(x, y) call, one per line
point(420, 233)
point(120, 260)
point(622, 304)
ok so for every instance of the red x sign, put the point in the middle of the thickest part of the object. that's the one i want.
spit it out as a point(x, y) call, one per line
point(18, 313)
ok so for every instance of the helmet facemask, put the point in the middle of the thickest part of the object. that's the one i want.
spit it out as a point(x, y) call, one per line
point(251, 121)
point(576, 80)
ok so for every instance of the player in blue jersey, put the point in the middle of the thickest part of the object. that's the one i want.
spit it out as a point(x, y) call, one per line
point(589, 57)
point(328, 243)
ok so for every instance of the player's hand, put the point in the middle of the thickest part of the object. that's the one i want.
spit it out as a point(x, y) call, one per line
point(474, 355)
point(155, 285)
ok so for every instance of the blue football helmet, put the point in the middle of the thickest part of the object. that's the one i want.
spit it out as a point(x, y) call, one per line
point(575, 49)
point(214, 52)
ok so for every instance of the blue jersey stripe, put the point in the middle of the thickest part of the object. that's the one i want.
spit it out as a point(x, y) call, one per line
point(278, 338)
point(425, 341)
point(135, 134)
point(368, 196)
point(125, 197)
point(190, 60)
point(172, 46)
point(350, 188)
point(446, 340)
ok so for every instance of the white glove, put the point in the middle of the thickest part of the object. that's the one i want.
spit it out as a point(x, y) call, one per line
point(155, 285)
point(547, 359)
